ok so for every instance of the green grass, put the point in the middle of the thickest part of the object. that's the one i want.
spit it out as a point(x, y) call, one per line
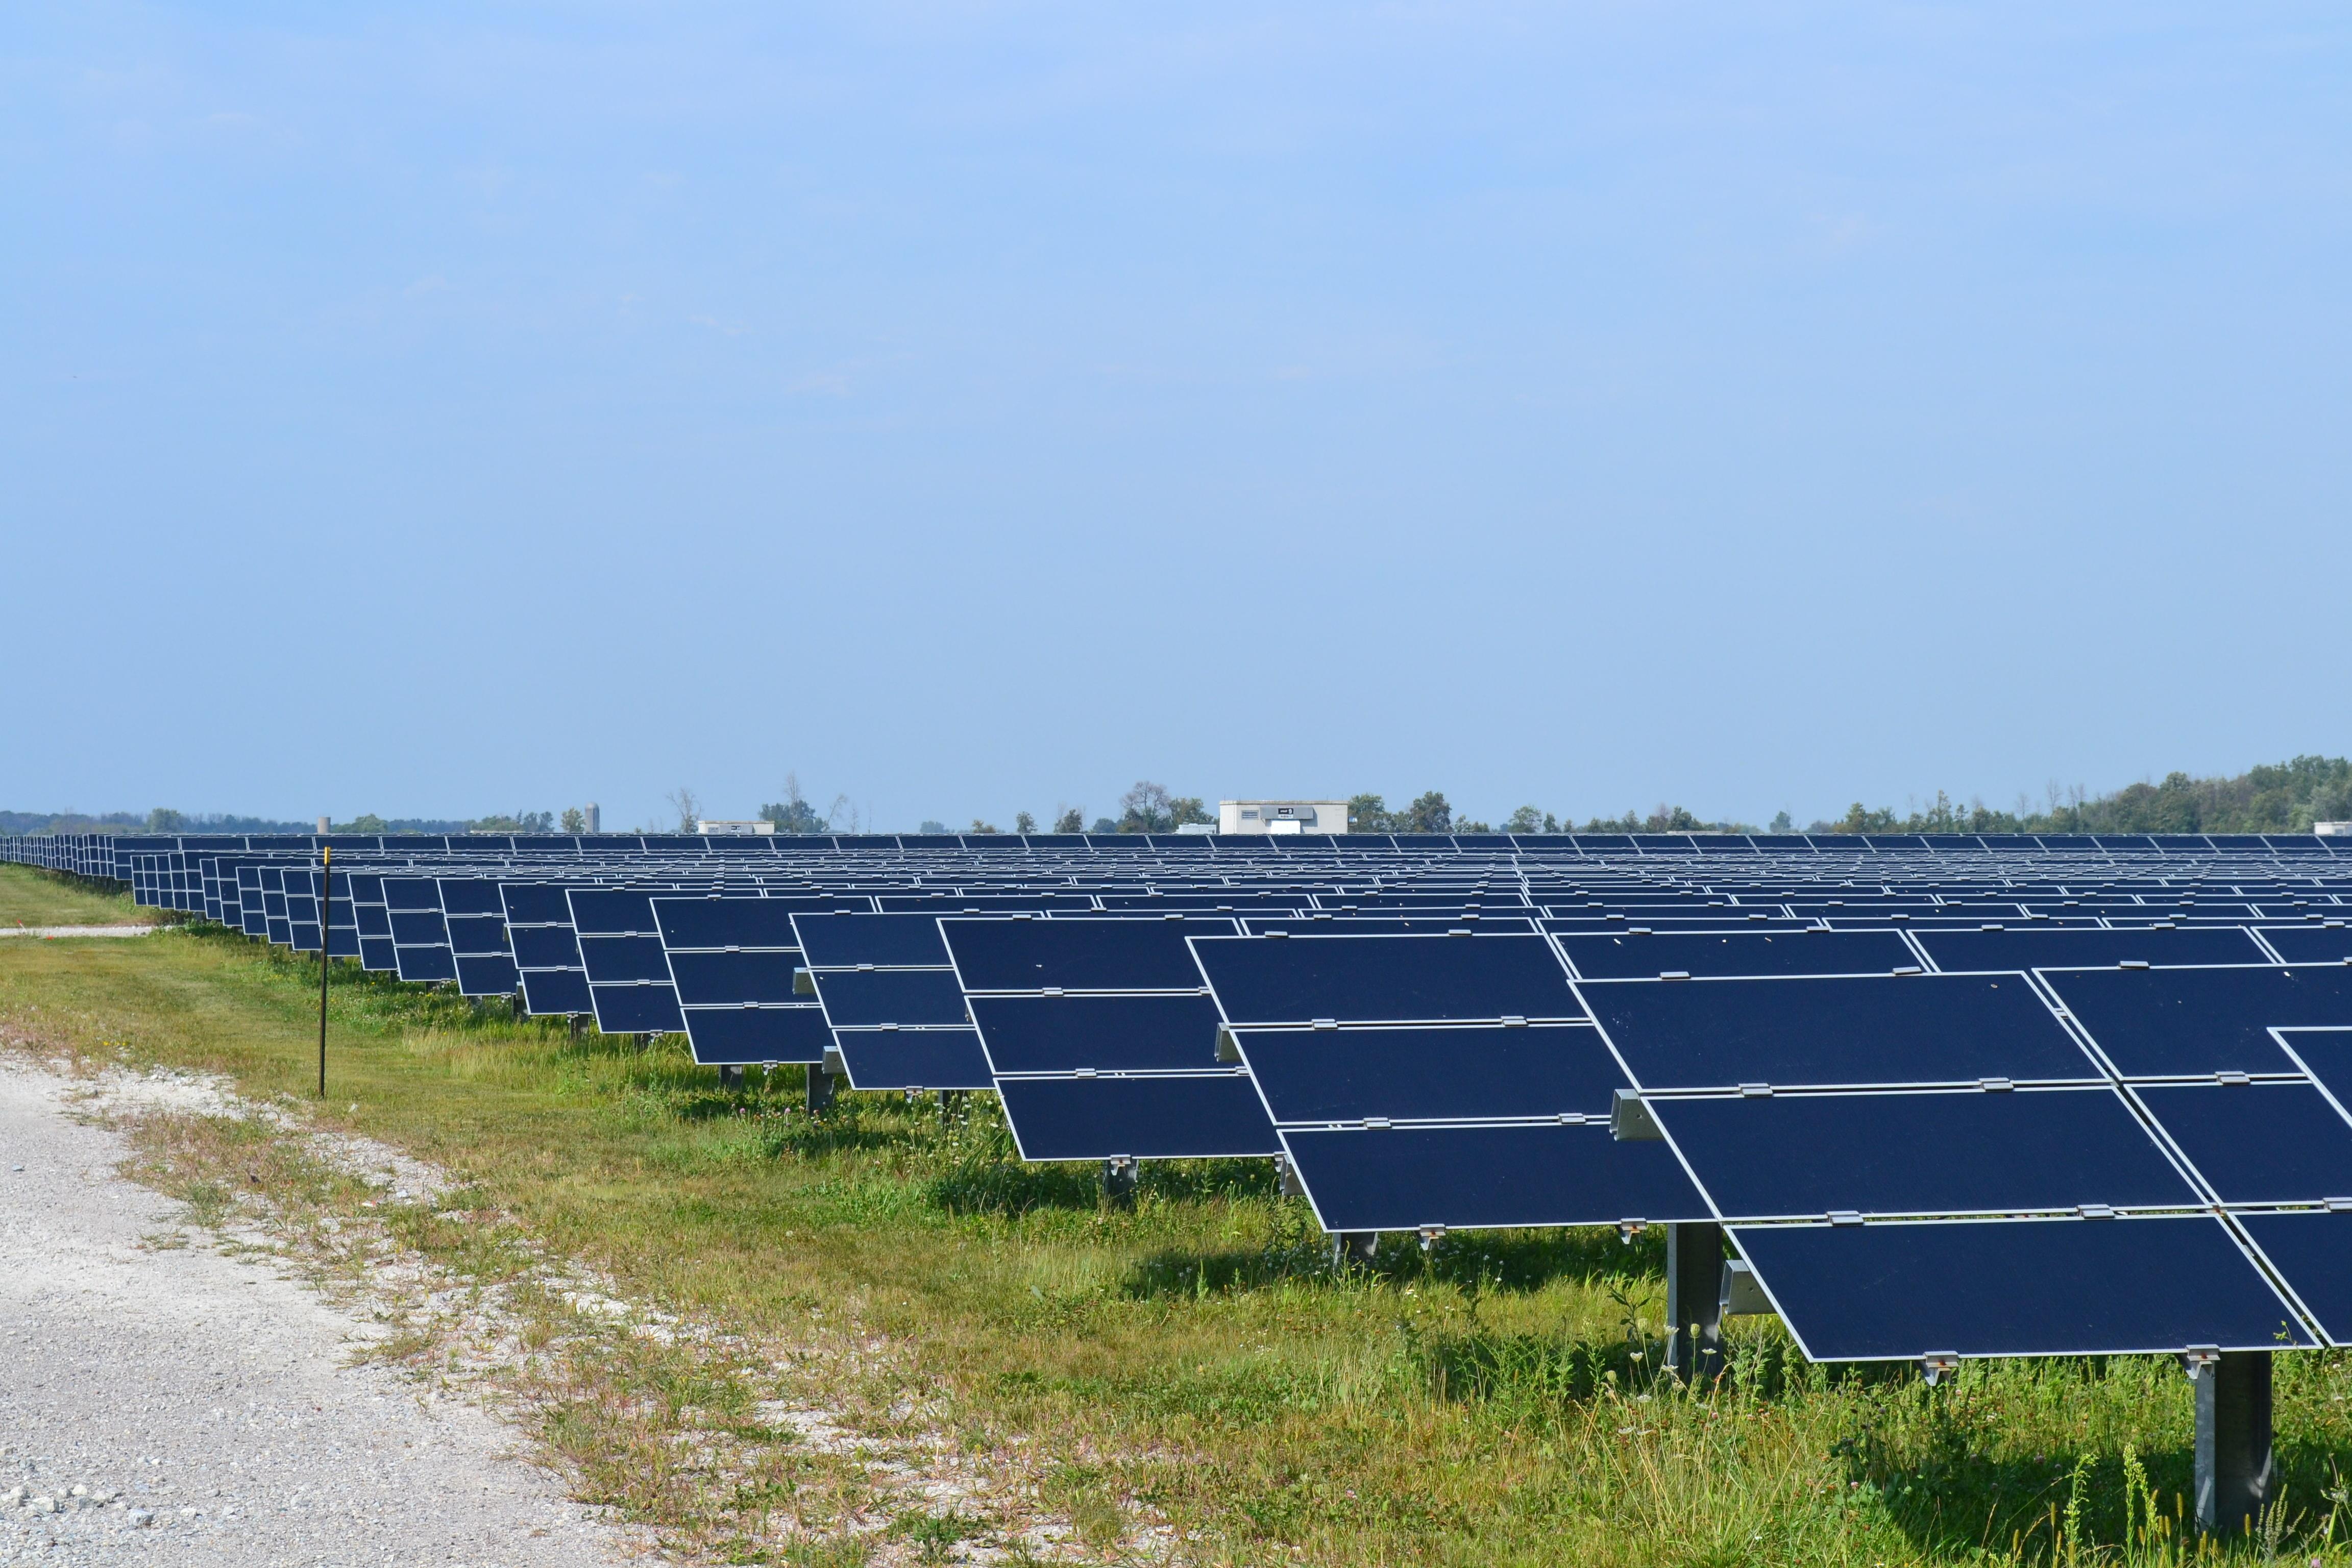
point(1193, 1364)
point(30, 897)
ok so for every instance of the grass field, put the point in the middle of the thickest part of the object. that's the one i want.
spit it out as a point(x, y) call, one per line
point(1189, 1381)
point(27, 897)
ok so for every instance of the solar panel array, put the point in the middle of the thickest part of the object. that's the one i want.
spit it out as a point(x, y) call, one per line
point(1966, 1096)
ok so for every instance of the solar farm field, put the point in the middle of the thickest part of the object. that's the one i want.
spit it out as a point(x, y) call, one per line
point(1317, 1341)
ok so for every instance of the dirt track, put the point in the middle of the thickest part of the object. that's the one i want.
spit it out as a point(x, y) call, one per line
point(204, 1406)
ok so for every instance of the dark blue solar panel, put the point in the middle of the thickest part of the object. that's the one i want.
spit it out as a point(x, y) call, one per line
point(1133, 1033)
point(424, 966)
point(843, 940)
point(1449, 1074)
point(487, 974)
point(1201, 1117)
point(1402, 1178)
point(478, 934)
point(2156, 1023)
point(2311, 944)
point(854, 997)
point(913, 1058)
point(617, 959)
point(950, 903)
point(1970, 1151)
point(2258, 1144)
point(637, 1008)
point(740, 1036)
point(1621, 956)
point(556, 991)
point(1390, 925)
point(536, 903)
point(2313, 1252)
point(613, 911)
point(1130, 954)
point(471, 895)
point(716, 978)
point(2057, 1287)
point(1385, 979)
point(724, 923)
point(2041, 949)
point(545, 947)
point(1706, 1034)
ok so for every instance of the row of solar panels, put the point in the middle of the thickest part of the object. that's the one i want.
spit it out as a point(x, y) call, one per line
point(94, 854)
point(1927, 1138)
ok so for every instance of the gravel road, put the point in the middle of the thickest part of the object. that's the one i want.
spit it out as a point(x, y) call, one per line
point(163, 1405)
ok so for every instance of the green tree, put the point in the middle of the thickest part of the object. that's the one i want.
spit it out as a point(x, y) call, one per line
point(1370, 813)
point(793, 814)
point(1072, 819)
point(1023, 822)
point(574, 820)
point(164, 819)
point(1428, 813)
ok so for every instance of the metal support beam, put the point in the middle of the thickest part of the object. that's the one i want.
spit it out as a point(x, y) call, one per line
point(1695, 1301)
point(1356, 1247)
point(2233, 1441)
point(820, 1088)
point(1119, 1182)
point(730, 1078)
point(579, 1027)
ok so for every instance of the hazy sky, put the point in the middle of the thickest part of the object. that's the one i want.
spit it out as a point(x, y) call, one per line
point(437, 409)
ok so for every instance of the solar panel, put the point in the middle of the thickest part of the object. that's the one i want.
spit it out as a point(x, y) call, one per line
point(2072, 946)
point(2312, 1250)
point(2016, 1287)
point(1078, 953)
point(1741, 953)
point(1110, 1116)
point(1788, 1033)
point(1385, 979)
point(1104, 1033)
point(890, 1057)
point(2261, 1142)
point(1339, 1075)
point(1468, 1178)
point(1786, 1156)
point(2195, 1023)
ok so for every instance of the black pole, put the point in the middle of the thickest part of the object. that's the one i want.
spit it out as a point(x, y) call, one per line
point(326, 913)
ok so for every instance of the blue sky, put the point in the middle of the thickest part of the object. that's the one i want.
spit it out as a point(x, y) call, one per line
point(977, 407)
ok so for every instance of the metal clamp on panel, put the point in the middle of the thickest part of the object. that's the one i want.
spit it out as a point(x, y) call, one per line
point(1431, 1235)
point(1229, 1051)
point(804, 982)
point(1630, 1121)
point(834, 1066)
point(1627, 1230)
point(1937, 1365)
point(2198, 1359)
point(1741, 1296)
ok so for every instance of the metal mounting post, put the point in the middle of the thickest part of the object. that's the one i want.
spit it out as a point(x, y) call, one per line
point(1118, 1181)
point(2234, 1439)
point(1695, 1299)
point(730, 1078)
point(820, 1088)
point(1356, 1247)
point(579, 1027)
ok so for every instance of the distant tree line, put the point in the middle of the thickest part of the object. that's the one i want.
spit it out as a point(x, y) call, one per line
point(2277, 797)
point(2280, 797)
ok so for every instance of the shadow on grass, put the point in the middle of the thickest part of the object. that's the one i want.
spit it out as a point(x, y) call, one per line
point(1947, 1469)
point(1478, 1261)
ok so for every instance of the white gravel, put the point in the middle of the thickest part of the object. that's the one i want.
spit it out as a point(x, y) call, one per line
point(170, 1405)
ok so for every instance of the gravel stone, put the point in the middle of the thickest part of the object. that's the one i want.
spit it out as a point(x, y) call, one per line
point(211, 1399)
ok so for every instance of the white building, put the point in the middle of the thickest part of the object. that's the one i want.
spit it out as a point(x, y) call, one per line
point(1282, 816)
point(711, 827)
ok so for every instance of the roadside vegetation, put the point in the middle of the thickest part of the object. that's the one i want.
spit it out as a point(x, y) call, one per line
point(1188, 1380)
